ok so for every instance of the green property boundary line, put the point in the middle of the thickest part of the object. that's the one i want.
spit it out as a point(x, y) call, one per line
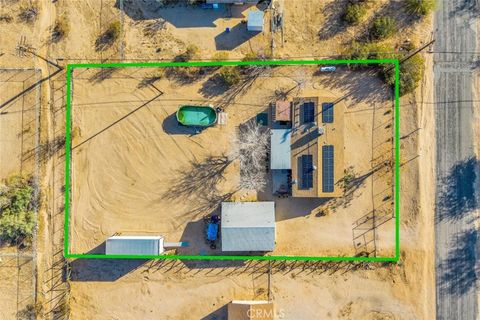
point(71, 67)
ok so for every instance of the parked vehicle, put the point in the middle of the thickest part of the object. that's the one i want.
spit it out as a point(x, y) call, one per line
point(212, 224)
point(328, 68)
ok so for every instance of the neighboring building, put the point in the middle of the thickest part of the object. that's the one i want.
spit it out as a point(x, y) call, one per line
point(247, 310)
point(248, 226)
point(255, 21)
point(317, 147)
point(135, 245)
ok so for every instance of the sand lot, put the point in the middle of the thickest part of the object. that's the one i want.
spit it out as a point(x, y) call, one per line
point(18, 121)
point(130, 158)
point(182, 290)
point(19, 114)
point(329, 292)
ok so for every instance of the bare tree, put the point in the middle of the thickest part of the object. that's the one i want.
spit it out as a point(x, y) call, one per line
point(250, 147)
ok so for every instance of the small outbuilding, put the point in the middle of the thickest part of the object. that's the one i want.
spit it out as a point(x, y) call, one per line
point(282, 111)
point(248, 226)
point(255, 21)
point(247, 310)
point(135, 245)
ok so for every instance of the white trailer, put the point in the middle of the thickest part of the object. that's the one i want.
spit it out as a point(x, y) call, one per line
point(135, 245)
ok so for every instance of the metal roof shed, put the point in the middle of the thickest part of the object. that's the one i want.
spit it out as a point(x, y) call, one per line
point(248, 226)
point(280, 149)
point(134, 245)
point(255, 21)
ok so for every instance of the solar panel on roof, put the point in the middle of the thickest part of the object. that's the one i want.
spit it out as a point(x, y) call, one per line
point(308, 112)
point(327, 112)
point(327, 168)
point(307, 171)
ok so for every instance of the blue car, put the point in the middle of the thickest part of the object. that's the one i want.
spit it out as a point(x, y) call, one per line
point(211, 230)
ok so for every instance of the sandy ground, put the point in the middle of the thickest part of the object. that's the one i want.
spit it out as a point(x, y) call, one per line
point(128, 173)
point(374, 294)
point(18, 131)
point(402, 291)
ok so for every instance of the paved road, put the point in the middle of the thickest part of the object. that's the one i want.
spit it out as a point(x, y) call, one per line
point(457, 243)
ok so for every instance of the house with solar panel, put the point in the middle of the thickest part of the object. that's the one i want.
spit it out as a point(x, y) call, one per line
point(280, 150)
point(307, 145)
point(317, 147)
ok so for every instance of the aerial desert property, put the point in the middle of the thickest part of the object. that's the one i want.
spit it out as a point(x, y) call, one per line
point(228, 159)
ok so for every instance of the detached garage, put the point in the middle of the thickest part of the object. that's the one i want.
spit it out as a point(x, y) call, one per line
point(248, 226)
point(134, 245)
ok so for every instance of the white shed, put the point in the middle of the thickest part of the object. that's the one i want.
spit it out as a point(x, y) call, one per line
point(134, 245)
point(248, 226)
point(255, 21)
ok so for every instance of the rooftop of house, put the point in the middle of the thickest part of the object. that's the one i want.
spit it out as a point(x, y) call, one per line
point(317, 147)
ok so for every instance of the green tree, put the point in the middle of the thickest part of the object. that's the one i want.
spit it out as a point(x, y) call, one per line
point(420, 7)
point(230, 75)
point(220, 56)
point(383, 28)
point(411, 72)
point(16, 209)
point(354, 13)
point(190, 52)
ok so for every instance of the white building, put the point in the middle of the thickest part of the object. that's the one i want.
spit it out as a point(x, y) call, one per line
point(135, 245)
point(248, 226)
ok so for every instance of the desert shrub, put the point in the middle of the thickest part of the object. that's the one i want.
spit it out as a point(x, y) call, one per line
point(185, 74)
point(420, 7)
point(362, 51)
point(16, 209)
point(114, 30)
point(60, 29)
point(153, 27)
point(357, 51)
point(354, 13)
point(220, 56)
point(30, 312)
point(28, 14)
point(6, 18)
point(230, 75)
point(152, 78)
point(348, 178)
point(190, 52)
point(408, 46)
point(107, 38)
point(383, 28)
point(411, 72)
point(380, 51)
point(251, 56)
point(61, 310)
